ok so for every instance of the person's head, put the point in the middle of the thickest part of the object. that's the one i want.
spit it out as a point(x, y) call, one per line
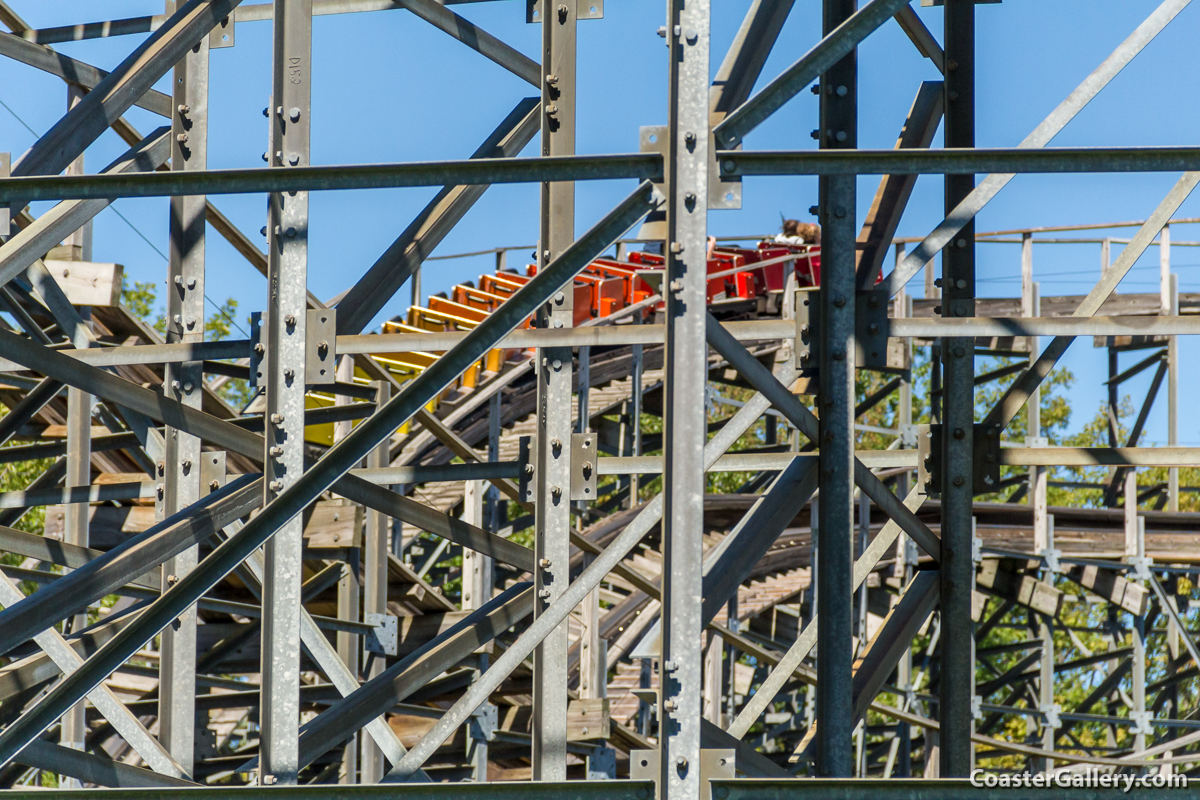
point(791, 227)
point(811, 232)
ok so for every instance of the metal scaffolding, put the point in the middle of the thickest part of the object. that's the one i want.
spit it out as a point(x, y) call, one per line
point(621, 523)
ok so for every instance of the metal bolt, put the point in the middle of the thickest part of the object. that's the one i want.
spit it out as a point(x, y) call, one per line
point(669, 705)
point(842, 91)
point(259, 349)
point(290, 320)
point(559, 298)
point(293, 159)
point(187, 465)
point(172, 580)
point(961, 284)
point(839, 301)
point(556, 444)
point(214, 485)
point(681, 762)
point(958, 351)
point(839, 355)
point(290, 233)
point(545, 563)
point(277, 419)
point(662, 31)
point(551, 109)
point(529, 469)
point(552, 80)
point(289, 373)
point(959, 433)
point(961, 243)
point(544, 594)
point(294, 114)
point(873, 328)
point(958, 480)
point(689, 198)
point(181, 138)
point(268, 780)
point(175, 385)
point(815, 133)
point(676, 285)
point(839, 212)
point(557, 365)
point(677, 247)
point(276, 451)
point(815, 88)
point(556, 491)
point(275, 486)
point(689, 138)
point(183, 109)
point(187, 388)
point(322, 347)
point(841, 136)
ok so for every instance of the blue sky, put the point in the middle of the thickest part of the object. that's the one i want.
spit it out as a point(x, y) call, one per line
point(389, 87)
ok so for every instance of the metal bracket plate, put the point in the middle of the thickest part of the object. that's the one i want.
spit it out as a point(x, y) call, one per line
point(5, 171)
point(986, 469)
point(222, 35)
point(715, 765)
point(653, 139)
point(385, 639)
point(929, 459)
point(985, 444)
point(320, 353)
point(583, 466)
point(870, 329)
point(483, 723)
point(212, 472)
point(525, 486)
point(584, 9)
point(258, 353)
point(723, 192)
point(602, 764)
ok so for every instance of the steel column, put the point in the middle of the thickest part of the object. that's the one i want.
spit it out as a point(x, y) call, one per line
point(183, 382)
point(287, 277)
point(552, 477)
point(375, 583)
point(838, 200)
point(684, 424)
point(958, 409)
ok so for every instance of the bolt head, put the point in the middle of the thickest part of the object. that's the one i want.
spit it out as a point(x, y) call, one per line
point(294, 114)
point(958, 480)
